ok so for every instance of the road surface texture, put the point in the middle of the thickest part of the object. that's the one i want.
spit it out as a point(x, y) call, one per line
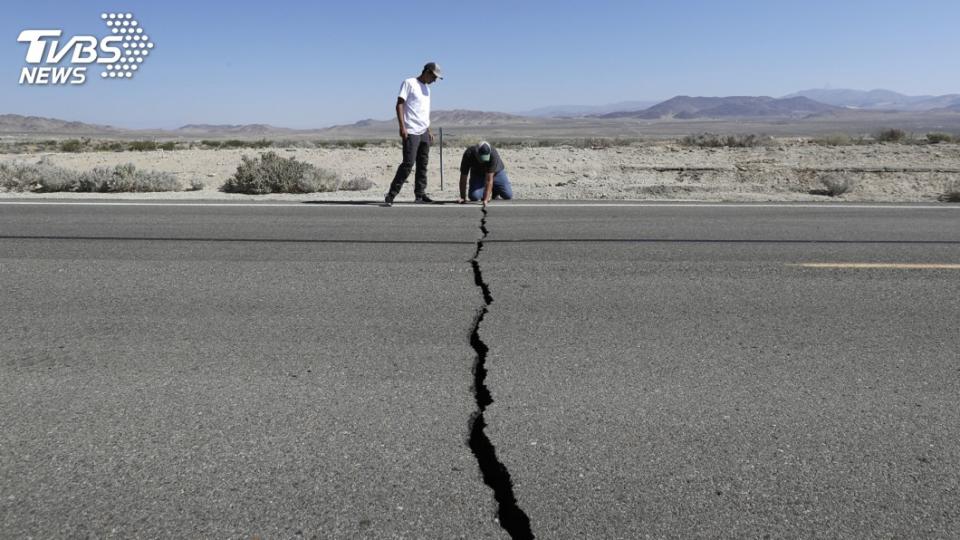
point(596, 371)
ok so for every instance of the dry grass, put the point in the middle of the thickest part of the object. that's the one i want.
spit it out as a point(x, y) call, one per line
point(891, 136)
point(712, 140)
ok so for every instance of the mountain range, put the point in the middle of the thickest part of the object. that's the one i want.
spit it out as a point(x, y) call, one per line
point(797, 104)
point(568, 111)
point(809, 104)
point(688, 108)
point(879, 99)
point(15, 123)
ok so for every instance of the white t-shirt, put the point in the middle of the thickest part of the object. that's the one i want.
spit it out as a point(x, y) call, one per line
point(416, 107)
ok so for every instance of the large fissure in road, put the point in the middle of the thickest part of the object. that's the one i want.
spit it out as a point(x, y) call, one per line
point(494, 473)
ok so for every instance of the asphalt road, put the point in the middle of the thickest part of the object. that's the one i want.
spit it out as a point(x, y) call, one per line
point(307, 370)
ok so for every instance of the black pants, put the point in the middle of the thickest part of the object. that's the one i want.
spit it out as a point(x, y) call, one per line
point(416, 151)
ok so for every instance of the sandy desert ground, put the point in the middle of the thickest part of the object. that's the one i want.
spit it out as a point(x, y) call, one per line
point(789, 170)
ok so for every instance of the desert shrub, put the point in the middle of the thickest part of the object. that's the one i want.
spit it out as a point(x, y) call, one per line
point(951, 193)
point(835, 186)
point(358, 144)
point(43, 177)
point(124, 179)
point(196, 184)
point(238, 143)
point(271, 173)
point(169, 145)
point(891, 135)
point(210, 143)
point(360, 183)
point(837, 139)
point(142, 146)
point(712, 140)
point(936, 138)
point(71, 145)
point(594, 143)
point(109, 146)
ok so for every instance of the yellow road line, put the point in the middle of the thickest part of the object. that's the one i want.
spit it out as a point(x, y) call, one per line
point(885, 266)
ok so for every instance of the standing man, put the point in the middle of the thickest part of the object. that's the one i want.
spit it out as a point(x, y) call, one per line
point(413, 115)
point(488, 176)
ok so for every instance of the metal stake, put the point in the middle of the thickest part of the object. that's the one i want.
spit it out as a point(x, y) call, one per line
point(441, 159)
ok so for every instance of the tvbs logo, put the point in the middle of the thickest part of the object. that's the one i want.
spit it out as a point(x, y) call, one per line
point(120, 53)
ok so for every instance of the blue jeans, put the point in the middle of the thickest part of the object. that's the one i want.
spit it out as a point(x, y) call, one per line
point(501, 186)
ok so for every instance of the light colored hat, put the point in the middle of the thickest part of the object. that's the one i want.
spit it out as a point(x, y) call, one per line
point(432, 67)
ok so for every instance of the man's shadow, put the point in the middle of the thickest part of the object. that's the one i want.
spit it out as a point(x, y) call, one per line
point(375, 203)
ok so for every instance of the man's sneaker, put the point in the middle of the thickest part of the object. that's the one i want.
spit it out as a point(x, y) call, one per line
point(424, 199)
point(388, 200)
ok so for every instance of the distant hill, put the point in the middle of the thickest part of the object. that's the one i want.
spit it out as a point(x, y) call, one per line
point(686, 108)
point(232, 129)
point(465, 117)
point(574, 111)
point(955, 106)
point(877, 99)
point(451, 118)
point(937, 102)
point(15, 123)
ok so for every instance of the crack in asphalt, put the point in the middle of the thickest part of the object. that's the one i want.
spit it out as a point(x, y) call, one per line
point(494, 473)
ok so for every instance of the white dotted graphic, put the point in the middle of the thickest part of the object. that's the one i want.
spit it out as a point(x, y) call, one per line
point(134, 43)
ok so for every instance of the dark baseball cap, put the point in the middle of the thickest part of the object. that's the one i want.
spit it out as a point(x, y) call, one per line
point(483, 151)
point(432, 67)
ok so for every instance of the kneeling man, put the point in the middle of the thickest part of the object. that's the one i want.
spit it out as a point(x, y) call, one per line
point(488, 178)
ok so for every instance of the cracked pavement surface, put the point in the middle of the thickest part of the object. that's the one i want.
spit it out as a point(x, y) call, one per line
point(665, 387)
point(511, 517)
point(303, 371)
point(235, 389)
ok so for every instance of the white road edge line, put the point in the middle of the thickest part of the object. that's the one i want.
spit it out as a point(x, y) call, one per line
point(881, 266)
point(360, 204)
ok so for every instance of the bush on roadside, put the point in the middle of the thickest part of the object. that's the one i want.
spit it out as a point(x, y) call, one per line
point(951, 193)
point(42, 177)
point(891, 136)
point(712, 140)
point(836, 185)
point(361, 183)
point(271, 173)
point(126, 179)
point(936, 138)
point(18, 176)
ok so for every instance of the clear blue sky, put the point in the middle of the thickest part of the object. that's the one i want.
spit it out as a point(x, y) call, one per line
point(313, 64)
